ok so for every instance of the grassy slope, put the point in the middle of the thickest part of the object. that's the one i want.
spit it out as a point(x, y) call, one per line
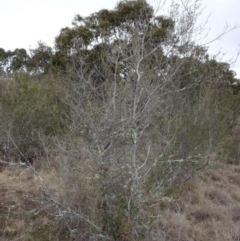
point(20, 219)
point(208, 209)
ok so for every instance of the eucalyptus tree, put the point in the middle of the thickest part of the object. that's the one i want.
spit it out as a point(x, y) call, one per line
point(13, 61)
point(40, 60)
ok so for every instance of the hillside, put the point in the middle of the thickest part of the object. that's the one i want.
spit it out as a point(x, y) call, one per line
point(205, 208)
point(127, 130)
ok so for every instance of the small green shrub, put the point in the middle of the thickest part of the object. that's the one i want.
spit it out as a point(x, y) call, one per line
point(33, 109)
point(229, 150)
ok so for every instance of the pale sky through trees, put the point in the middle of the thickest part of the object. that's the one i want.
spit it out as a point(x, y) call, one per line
point(24, 22)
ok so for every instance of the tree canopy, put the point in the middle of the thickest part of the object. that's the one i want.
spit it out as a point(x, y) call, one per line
point(38, 61)
point(109, 40)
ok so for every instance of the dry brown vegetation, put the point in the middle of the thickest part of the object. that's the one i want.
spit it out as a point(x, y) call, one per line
point(208, 209)
point(205, 208)
point(20, 218)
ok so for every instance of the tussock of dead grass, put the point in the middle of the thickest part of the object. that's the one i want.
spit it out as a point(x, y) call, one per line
point(20, 218)
point(208, 210)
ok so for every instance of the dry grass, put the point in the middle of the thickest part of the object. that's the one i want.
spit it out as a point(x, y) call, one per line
point(208, 208)
point(20, 218)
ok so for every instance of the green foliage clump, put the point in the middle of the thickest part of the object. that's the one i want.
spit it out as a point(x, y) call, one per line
point(32, 109)
point(229, 150)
